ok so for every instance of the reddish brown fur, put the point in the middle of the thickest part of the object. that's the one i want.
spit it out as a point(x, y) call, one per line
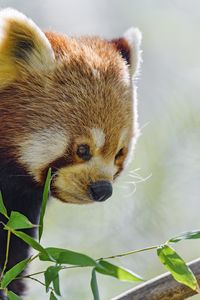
point(123, 47)
point(57, 93)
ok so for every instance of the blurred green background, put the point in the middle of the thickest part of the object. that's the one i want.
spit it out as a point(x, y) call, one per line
point(142, 212)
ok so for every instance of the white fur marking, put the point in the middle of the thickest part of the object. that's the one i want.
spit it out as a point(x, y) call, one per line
point(98, 137)
point(108, 169)
point(96, 73)
point(134, 37)
point(43, 147)
point(122, 138)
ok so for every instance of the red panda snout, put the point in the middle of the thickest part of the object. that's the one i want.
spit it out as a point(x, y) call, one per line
point(94, 164)
point(84, 182)
point(100, 190)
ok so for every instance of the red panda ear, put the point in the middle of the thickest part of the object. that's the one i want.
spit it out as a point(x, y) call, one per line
point(22, 46)
point(129, 48)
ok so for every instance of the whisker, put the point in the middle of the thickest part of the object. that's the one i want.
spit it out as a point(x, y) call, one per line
point(132, 191)
point(145, 125)
point(137, 176)
point(52, 176)
point(135, 170)
point(135, 179)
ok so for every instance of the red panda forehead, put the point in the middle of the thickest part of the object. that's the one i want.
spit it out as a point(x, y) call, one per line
point(92, 58)
point(93, 48)
point(104, 117)
point(95, 83)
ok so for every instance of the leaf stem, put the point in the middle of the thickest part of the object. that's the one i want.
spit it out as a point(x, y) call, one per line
point(33, 257)
point(7, 254)
point(35, 279)
point(129, 253)
point(30, 275)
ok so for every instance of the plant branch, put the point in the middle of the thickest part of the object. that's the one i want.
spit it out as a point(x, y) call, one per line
point(7, 254)
point(33, 257)
point(108, 257)
point(129, 253)
point(34, 279)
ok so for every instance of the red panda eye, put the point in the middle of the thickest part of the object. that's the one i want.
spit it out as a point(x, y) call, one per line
point(83, 151)
point(119, 153)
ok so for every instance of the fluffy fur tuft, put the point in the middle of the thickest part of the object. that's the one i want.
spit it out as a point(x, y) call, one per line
point(134, 37)
point(22, 45)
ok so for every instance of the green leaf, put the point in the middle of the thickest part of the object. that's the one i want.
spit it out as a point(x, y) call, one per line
point(94, 286)
point(19, 221)
point(13, 272)
point(3, 210)
point(64, 256)
point(44, 202)
point(30, 241)
point(189, 235)
point(56, 285)
point(120, 273)
point(176, 266)
point(52, 296)
point(12, 296)
point(51, 275)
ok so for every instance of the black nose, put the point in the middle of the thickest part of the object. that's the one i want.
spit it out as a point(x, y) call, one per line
point(100, 190)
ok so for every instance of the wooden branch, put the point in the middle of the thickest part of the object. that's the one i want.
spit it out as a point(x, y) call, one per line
point(163, 287)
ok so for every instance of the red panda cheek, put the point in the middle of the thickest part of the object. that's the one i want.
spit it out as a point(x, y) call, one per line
point(38, 150)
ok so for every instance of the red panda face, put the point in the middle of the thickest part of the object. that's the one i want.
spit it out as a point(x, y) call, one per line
point(68, 104)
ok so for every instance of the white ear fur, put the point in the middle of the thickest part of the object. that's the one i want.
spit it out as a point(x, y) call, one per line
point(22, 43)
point(134, 37)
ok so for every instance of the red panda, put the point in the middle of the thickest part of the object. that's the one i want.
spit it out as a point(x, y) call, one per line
point(65, 103)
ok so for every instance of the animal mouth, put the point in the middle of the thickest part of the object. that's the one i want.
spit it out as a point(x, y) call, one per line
point(70, 197)
point(96, 191)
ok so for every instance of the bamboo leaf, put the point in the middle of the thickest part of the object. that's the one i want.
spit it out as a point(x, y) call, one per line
point(51, 275)
point(12, 296)
point(44, 202)
point(19, 221)
point(13, 272)
point(120, 273)
point(30, 241)
point(64, 256)
point(56, 285)
point(176, 266)
point(3, 210)
point(189, 235)
point(94, 286)
point(52, 296)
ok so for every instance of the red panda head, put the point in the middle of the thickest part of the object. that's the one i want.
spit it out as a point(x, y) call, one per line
point(67, 103)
